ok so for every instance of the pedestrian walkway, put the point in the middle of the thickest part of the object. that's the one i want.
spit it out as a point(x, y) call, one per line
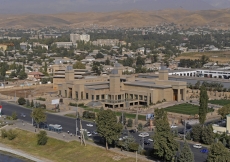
point(68, 137)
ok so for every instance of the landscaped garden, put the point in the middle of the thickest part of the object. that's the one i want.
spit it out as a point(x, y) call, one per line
point(186, 108)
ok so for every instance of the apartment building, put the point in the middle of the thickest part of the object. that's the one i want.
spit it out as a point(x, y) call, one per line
point(79, 37)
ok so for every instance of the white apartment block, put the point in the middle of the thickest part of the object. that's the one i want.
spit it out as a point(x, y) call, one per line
point(79, 37)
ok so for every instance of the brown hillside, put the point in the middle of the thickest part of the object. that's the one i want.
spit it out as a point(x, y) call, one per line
point(122, 19)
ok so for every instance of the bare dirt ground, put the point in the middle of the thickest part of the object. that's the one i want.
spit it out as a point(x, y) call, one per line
point(220, 56)
point(27, 92)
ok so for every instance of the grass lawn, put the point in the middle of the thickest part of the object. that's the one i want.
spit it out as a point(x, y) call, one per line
point(60, 151)
point(219, 102)
point(188, 109)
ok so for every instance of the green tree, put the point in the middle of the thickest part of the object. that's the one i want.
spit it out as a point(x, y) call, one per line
point(107, 61)
point(21, 101)
point(79, 65)
point(14, 116)
point(218, 152)
point(203, 109)
point(42, 138)
point(107, 126)
point(140, 61)
point(164, 144)
point(186, 155)
point(196, 133)
point(99, 55)
point(225, 110)
point(39, 116)
point(32, 103)
point(207, 135)
point(130, 123)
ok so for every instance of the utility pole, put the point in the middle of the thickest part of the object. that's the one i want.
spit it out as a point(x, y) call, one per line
point(184, 128)
point(76, 121)
point(82, 135)
point(15, 96)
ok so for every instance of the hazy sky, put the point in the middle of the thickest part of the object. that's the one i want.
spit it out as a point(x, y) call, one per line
point(57, 6)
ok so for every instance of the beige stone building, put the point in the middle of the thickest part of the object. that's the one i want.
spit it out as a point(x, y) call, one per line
point(221, 129)
point(122, 91)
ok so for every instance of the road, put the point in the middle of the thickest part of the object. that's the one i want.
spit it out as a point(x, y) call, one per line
point(69, 124)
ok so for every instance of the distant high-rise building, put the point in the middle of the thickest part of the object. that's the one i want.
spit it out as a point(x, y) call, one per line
point(79, 37)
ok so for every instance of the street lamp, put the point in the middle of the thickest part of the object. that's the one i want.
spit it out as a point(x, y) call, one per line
point(76, 120)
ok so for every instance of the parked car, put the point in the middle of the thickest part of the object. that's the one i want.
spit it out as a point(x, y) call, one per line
point(94, 133)
point(89, 134)
point(146, 142)
point(204, 151)
point(23, 115)
point(132, 131)
point(150, 140)
point(174, 126)
point(89, 125)
point(144, 134)
point(125, 137)
point(199, 146)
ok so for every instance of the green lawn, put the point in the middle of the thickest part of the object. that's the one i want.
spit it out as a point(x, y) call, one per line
point(60, 151)
point(188, 109)
point(219, 102)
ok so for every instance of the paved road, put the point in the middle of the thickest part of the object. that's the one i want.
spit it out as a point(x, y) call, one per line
point(69, 124)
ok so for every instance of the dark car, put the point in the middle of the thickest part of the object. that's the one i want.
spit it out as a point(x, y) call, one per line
point(146, 142)
point(132, 131)
point(204, 151)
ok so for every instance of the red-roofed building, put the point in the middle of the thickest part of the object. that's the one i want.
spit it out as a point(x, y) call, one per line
point(35, 75)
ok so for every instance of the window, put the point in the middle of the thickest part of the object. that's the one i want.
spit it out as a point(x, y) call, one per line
point(140, 97)
point(87, 96)
point(97, 97)
point(92, 97)
point(102, 97)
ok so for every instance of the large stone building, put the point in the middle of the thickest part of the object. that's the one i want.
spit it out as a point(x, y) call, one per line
point(118, 91)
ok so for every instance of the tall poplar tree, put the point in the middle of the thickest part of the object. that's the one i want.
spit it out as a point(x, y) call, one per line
point(165, 146)
point(203, 109)
point(186, 155)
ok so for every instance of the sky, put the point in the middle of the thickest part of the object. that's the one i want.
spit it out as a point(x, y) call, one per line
point(60, 6)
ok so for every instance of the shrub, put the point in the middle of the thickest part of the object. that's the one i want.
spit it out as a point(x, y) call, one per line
point(43, 106)
point(11, 134)
point(14, 116)
point(133, 146)
point(41, 99)
point(88, 115)
point(42, 138)
point(140, 127)
point(21, 101)
point(73, 104)
point(3, 133)
point(130, 123)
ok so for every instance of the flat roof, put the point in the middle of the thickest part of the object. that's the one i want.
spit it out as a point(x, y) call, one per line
point(98, 87)
point(147, 84)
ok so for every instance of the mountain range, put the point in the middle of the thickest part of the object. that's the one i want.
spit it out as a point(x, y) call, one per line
point(60, 6)
point(132, 18)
